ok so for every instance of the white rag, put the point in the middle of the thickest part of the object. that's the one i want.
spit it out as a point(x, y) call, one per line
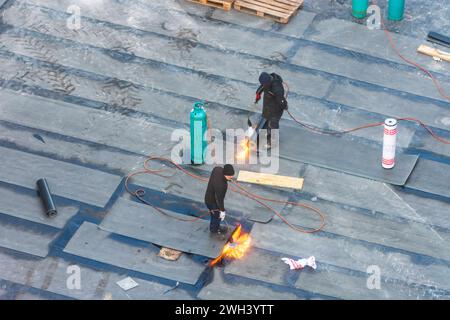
point(301, 263)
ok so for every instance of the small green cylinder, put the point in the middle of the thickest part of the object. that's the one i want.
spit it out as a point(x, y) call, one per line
point(396, 9)
point(198, 126)
point(359, 8)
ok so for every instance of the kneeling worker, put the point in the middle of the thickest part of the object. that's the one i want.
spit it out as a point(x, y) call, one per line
point(215, 195)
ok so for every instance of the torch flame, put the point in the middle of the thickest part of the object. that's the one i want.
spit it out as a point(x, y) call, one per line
point(236, 248)
point(245, 147)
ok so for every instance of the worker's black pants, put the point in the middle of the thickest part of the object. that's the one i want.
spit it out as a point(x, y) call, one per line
point(214, 223)
point(272, 123)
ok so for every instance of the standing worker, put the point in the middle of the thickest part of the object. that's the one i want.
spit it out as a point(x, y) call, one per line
point(215, 196)
point(274, 102)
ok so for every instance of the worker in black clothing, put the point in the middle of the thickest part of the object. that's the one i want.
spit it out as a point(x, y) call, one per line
point(215, 195)
point(274, 102)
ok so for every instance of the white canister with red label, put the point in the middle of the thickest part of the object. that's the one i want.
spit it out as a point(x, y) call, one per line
point(389, 143)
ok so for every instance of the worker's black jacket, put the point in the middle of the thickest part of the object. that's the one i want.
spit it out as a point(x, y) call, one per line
point(274, 102)
point(217, 188)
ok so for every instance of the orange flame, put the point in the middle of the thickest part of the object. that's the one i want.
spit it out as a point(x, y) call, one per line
point(236, 248)
point(245, 146)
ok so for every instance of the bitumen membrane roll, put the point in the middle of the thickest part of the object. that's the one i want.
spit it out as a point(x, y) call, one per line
point(46, 196)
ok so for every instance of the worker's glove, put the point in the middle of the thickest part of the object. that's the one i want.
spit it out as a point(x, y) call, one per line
point(258, 97)
point(222, 215)
point(284, 104)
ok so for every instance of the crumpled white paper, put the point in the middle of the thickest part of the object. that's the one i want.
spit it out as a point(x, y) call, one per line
point(301, 263)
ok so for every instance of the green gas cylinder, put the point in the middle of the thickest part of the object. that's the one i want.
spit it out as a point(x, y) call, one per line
point(359, 8)
point(396, 9)
point(199, 126)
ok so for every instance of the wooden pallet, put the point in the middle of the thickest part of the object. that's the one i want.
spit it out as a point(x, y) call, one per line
point(221, 4)
point(278, 10)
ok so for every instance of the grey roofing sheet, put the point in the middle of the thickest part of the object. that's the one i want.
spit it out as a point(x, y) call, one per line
point(66, 180)
point(221, 289)
point(359, 38)
point(270, 268)
point(25, 238)
point(355, 286)
point(92, 243)
point(383, 230)
point(97, 126)
point(69, 148)
point(432, 177)
point(188, 83)
point(431, 211)
point(355, 191)
point(375, 71)
point(342, 154)
point(168, 22)
point(29, 207)
point(327, 281)
point(347, 253)
point(143, 222)
point(51, 274)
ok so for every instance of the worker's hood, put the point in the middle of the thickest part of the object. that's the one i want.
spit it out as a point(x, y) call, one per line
point(276, 78)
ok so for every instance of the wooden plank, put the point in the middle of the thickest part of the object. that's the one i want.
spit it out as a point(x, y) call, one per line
point(221, 4)
point(271, 179)
point(432, 52)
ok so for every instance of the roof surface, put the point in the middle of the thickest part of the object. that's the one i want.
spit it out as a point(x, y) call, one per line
point(84, 107)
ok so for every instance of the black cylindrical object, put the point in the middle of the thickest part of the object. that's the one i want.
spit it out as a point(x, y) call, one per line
point(46, 196)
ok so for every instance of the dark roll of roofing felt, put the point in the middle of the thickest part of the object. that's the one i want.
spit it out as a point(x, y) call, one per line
point(46, 196)
point(438, 38)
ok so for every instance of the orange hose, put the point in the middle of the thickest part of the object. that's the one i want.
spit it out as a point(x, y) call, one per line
point(413, 63)
point(139, 193)
point(375, 124)
point(370, 125)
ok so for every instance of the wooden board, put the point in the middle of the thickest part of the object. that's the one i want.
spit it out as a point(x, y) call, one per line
point(221, 4)
point(278, 10)
point(432, 52)
point(270, 179)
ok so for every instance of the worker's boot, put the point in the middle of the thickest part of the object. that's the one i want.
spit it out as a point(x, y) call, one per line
point(271, 144)
point(223, 230)
point(221, 234)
